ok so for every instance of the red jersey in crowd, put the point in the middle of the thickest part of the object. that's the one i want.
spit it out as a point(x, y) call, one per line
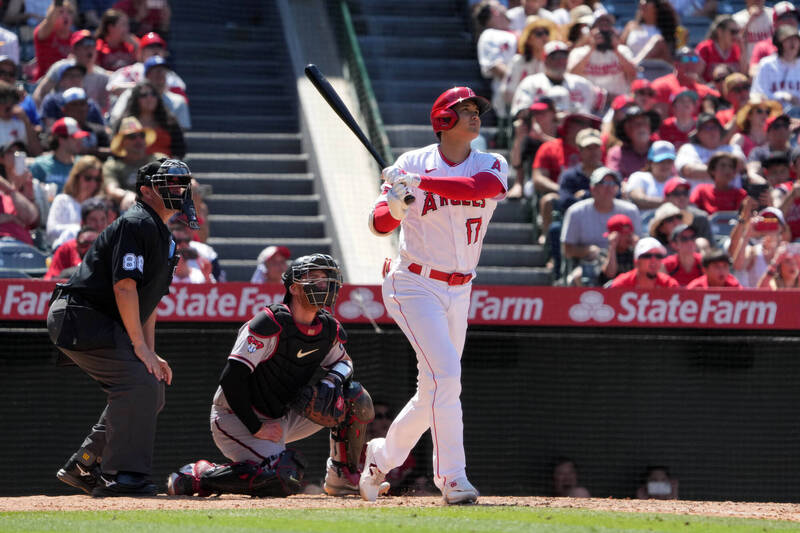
point(115, 58)
point(669, 131)
point(628, 279)
point(761, 50)
point(710, 199)
point(668, 86)
point(555, 156)
point(702, 282)
point(674, 268)
point(726, 115)
point(709, 52)
point(48, 51)
point(65, 256)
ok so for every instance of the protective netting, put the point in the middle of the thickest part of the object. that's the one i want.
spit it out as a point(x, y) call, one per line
point(719, 410)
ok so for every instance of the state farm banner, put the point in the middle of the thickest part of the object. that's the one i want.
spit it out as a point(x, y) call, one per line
point(490, 305)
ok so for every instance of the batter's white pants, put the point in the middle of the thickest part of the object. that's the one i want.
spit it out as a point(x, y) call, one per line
point(236, 442)
point(433, 316)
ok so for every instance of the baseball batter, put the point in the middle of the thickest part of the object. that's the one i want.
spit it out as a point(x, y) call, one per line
point(427, 291)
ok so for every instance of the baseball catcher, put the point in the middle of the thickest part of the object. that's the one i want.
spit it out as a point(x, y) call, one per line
point(270, 394)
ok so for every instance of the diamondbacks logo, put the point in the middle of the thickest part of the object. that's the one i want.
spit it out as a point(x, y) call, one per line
point(591, 307)
point(253, 344)
point(361, 302)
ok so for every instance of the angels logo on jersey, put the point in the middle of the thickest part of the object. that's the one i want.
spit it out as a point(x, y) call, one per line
point(253, 344)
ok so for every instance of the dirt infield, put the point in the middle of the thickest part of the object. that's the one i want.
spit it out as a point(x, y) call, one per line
point(773, 511)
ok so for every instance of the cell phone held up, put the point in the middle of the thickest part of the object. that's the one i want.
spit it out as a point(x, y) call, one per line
point(19, 163)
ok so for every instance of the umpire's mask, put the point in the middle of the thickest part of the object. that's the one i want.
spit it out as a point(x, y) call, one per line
point(173, 181)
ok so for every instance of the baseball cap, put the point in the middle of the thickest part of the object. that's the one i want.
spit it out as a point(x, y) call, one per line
point(776, 157)
point(619, 223)
point(772, 120)
point(648, 244)
point(601, 172)
point(784, 32)
point(781, 9)
point(661, 150)
point(152, 38)
point(68, 127)
point(68, 66)
point(588, 137)
point(684, 92)
point(543, 103)
point(680, 228)
point(621, 101)
point(555, 46)
point(79, 36)
point(7, 59)
point(674, 183)
point(73, 94)
point(640, 83)
point(271, 251)
point(770, 213)
point(154, 61)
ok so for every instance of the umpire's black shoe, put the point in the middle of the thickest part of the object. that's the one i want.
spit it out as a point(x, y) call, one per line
point(76, 473)
point(124, 484)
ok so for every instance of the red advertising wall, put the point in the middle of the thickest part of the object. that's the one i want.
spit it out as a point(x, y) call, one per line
point(491, 305)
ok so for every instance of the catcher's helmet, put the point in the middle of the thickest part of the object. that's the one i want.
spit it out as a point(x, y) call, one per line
point(443, 117)
point(172, 180)
point(320, 292)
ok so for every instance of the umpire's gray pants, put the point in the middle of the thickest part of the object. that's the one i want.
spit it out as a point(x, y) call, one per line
point(124, 436)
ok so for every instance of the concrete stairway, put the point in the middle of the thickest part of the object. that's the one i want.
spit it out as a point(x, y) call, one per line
point(245, 139)
point(413, 51)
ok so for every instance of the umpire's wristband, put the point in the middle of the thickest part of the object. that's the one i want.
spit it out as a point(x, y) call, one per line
point(342, 371)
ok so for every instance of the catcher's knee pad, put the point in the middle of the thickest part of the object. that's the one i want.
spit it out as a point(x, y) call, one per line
point(347, 439)
point(280, 476)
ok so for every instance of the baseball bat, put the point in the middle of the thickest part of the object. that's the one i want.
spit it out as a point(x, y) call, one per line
point(323, 86)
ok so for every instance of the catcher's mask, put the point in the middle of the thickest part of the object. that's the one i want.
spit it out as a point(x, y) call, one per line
point(321, 291)
point(172, 180)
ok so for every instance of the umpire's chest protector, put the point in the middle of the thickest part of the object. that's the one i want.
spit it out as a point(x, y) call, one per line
point(297, 357)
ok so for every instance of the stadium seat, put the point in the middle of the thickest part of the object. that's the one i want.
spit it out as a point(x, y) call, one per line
point(19, 257)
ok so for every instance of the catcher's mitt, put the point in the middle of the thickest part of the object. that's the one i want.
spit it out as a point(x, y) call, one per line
point(323, 403)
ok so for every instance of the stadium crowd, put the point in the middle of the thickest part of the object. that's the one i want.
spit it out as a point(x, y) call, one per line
point(87, 96)
point(646, 161)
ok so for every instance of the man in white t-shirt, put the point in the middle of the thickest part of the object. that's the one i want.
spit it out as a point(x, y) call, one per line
point(756, 23)
point(692, 158)
point(496, 47)
point(604, 61)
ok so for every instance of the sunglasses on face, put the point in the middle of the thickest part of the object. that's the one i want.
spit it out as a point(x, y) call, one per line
point(139, 135)
point(761, 111)
point(652, 256)
point(689, 59)
point(541, 33)
point(606, 183)
point(741, 88)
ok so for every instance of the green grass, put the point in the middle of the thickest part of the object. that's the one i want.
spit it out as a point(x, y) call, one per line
point(373, 520)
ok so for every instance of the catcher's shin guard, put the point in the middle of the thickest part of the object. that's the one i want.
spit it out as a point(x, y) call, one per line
point(277, 476)
point(347, 442)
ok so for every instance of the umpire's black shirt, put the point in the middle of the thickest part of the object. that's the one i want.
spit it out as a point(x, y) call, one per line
point(138, 246)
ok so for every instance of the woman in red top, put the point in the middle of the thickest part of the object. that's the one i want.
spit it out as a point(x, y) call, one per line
point(116, 47)
point(751, 119)
point(723, 45)
point(687, 264)
point(676, 128)
point(145, 105)
point(51, 37)
point(719, 196)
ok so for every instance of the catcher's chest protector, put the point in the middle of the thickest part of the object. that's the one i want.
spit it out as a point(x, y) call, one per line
point(300, 351)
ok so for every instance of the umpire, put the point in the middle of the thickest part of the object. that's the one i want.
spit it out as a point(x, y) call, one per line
point(104, 319)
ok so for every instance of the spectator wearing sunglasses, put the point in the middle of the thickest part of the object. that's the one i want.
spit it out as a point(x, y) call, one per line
point(529, 58)
point(70, 254)
point(129, 152)
point(688, 69)
point(723, 45)
point(751, 121)
point(716, 272)
point(648, 256)
point(686, 264)
point(736, 92)
point(85, 181)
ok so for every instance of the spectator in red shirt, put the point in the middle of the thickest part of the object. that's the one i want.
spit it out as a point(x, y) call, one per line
point(720, 195)
point(736, 91)
point(647, 256)
point(687, 264)
point(116, 47)
point(751, 120)
point(70, 254)
point(677, 127)
point(621, 243)
point(723, 45)
point(146, 15)
point(688, 69)
point(717, 269)
point(634, 130)
point(17, 214)
point(51, 38)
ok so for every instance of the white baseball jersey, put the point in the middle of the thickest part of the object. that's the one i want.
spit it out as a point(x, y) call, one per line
point(496, 47)
point(603, 69)
point(760, 29)
point(584, 96)
point(446, 234)
point(776, 75)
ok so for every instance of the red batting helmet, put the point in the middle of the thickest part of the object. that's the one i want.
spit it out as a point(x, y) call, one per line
point(443, 117)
